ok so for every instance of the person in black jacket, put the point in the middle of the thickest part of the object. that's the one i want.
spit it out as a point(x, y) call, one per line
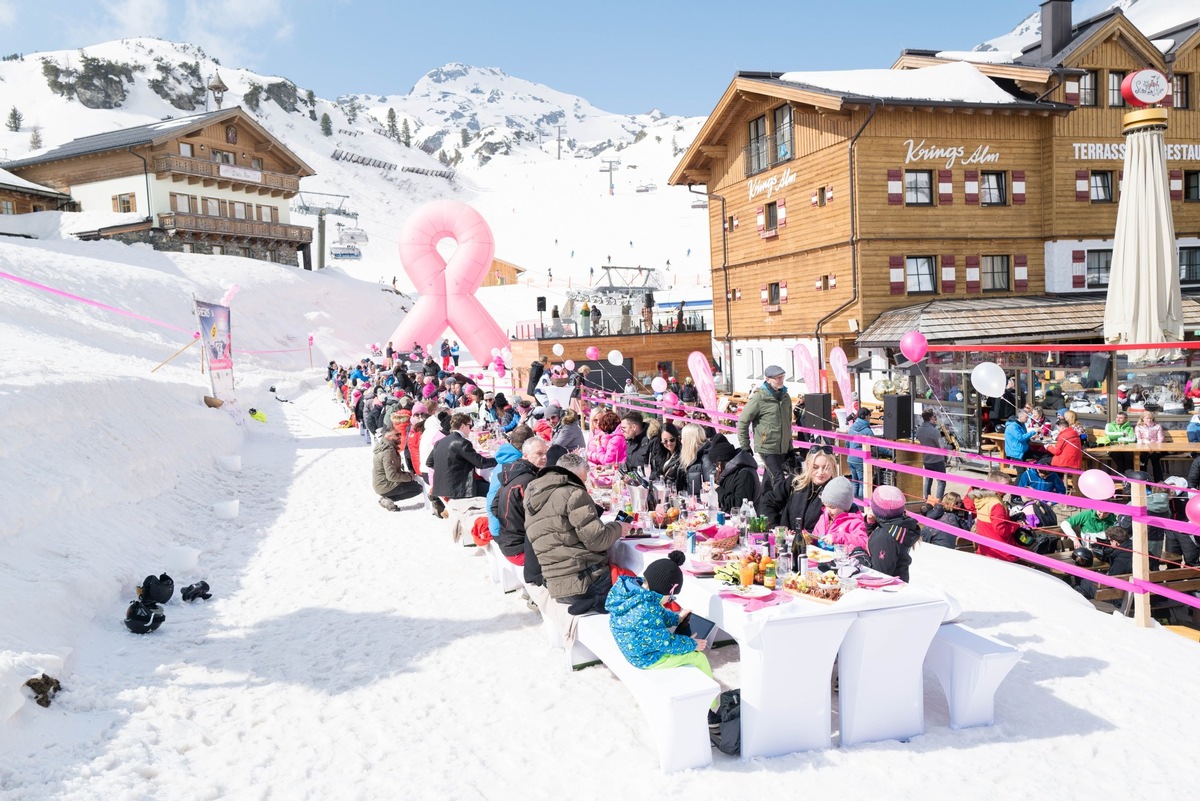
point(736, 474)
point(535, 374)
point(637, 441)
point(891, 533)
point(508, 505)
point(797, 503)
point(430, 368)
point(695, 465)
point(664, 454)
point(454, 462)
point(689, 394)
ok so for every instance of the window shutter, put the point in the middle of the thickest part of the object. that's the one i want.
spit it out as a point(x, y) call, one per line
point(1082, 184)
point(783, 291)
point(1020, 273)
point(948, 275)
point(1169, 100)
point(763, 296)
point(895, 187)
point(1176, 177)
point(1018, 187)
point(945, 187)
point(133, 201)
point(781, 214)
point(971, 184)
point(816, 201)
point(896, 275)
point(1078, 269)
point(762, 219)
point(116, 204)
point(972, 274)
point(829, 194)
point(1073, 93)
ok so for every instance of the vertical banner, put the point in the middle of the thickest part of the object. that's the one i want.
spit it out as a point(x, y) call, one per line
point(217, 338)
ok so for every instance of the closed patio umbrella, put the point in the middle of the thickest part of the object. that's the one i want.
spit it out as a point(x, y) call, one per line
point(1144, 303)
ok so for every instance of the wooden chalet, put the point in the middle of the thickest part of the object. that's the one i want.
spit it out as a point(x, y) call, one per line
point(216, 183)
point(503, 273)
point(18, 196)
point(837, 197)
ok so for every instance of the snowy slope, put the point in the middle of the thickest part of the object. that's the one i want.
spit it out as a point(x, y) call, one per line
point(1150, 16)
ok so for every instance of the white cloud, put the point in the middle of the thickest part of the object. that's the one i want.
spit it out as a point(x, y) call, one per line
point(8, 13)
point(137, 17)
point(234, 30)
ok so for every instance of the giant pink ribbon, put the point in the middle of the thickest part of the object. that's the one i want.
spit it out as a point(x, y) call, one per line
point(447, 289)
point(702, 375)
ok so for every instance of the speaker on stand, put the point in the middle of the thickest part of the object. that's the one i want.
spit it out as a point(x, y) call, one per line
point(818, 411)
point(897, 417)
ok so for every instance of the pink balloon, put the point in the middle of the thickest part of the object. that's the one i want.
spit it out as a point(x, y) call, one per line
point(1193, 509)
point(593, 353)
point(670, 398)
point(1097, 485)
point(569, 364)
point(500, 369)
point(914, 346)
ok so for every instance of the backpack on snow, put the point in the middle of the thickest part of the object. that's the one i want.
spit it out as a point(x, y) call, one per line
point(725, 725)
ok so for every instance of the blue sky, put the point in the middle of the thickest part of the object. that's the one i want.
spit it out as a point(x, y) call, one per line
point(623, 56)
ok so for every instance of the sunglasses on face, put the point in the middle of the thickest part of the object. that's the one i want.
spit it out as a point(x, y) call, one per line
point(668, 440)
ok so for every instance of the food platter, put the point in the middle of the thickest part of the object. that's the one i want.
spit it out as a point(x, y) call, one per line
point(753, 591)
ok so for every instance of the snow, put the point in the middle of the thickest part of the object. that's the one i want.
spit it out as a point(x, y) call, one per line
point(956, 82)
point(8, 179)
point(981, 56)
point(1149, 16)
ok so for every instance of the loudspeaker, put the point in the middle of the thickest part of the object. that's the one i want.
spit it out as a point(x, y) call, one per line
point(897, 417)
point(818, 411)
point(541, 303)
point(648, 302)
point(1098, 369)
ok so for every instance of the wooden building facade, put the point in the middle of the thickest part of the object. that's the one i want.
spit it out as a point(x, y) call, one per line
point(216, 182)
point(836, 198)
point(19, 196)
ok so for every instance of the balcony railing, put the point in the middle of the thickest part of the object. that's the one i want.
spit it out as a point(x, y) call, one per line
point(227, 173)
point(223, 226)
point(765, 152)
point(569, 329)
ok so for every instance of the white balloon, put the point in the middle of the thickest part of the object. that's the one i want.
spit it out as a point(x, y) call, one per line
point(659, 384)
point(988, 379)
point(558, 349)
point(615, 358)
point(505, 354)
point(495, 352)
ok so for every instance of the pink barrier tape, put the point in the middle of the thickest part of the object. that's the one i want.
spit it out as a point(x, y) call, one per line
point(1175, 595)
point(96, 303)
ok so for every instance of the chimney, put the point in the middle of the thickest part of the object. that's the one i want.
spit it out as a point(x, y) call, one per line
point(1056, 26)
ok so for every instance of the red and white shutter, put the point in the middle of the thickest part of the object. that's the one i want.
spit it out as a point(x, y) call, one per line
point(1078, 269)
point(816, 200)
point(781, 216)
point(1020, 273)
point(1073, 93)
point(1082, 185)
point(896, 275)
point(971, 184)
point(764, 295)
point(1018, 187)
point(1169, 100)
point(945, 187)
point(783, 292)
point(1176, 177)
point(948, 277)
point(762, 219)
point(972, 274)
point(895, 186)
point(829, 194)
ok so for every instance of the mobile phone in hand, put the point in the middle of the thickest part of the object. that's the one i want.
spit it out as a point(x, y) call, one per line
point(624, 517)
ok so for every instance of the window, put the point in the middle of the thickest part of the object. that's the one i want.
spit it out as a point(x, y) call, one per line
point(1189, 265)
point(212, 207)
point(124, 203)
point(918, 188)
point(1191, 185)
point(1099, 262)
point(1179, 86)
point(218, 250)
point(771, 217)
point(1115, 77)
point(919, 274)
point(773, 294)
point(1101, 183)
point(256, 163)
point(783, 134)
point(756, 152)
point(1087, 88)
point(993, 273)
point(239, 210)
point(243, 252)
point(223, 156)
point(185, 149)
point(822, 196)
point(187, 247)
point(8, 207)
point(993, 189)
point(38, 207)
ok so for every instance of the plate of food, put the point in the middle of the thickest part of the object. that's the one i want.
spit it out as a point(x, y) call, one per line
point(753, 591)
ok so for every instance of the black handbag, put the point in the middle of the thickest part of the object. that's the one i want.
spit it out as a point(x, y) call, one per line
point(725, 724)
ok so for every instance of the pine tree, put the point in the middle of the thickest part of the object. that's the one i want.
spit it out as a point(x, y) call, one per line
point(14, 120)
point(392, 131)
point(35, 138)
point(466, 137)
point(310, 97)
point(405, 134)
point(326, 125)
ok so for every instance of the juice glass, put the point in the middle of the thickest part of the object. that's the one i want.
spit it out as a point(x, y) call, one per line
point(748, 571)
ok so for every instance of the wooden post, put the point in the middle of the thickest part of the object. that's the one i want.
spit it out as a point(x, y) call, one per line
point(176, 353)
point(868, 473)
point(1141, 555)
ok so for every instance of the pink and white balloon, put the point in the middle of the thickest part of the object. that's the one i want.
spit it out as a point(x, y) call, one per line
point(558, 349)
point(988, 379)
point(914, 346)
point(658, 384)
point(569, 364)
point(1097, 485)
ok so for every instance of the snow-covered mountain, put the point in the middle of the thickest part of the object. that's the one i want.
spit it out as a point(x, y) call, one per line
point(1150, 16)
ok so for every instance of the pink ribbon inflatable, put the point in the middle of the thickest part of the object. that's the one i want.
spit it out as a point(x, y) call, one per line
point(841, 371)
point(702, 374)
point(447, 290)
point(808, 368)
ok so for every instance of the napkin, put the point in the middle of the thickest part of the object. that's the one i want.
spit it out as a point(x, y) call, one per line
point(695, 567)
point(754, 604)
point(657, 546)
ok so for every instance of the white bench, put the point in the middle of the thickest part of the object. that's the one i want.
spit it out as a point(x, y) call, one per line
point(970, 666)
point(675, 701)
point(510, 577)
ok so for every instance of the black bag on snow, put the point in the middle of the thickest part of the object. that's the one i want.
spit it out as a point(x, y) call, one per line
point(725, 725)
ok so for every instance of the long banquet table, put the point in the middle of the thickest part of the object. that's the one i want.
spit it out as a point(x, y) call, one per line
point(878, 637)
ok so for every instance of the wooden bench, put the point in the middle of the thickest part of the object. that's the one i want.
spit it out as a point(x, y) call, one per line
point(1181, 579)
point(970, 666)
point(994, 445)
point(510, 577)
point(674, 701)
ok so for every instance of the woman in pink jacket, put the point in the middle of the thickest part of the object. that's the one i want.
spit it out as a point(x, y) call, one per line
point(1149, 432)
point(838, 525)
point(607, 445)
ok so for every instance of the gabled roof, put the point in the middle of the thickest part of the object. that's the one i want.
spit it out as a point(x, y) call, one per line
point(151, 134)
point(18, 184)
point(1180, 37)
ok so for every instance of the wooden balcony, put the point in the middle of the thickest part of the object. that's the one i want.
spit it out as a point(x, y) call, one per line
point(224, 176)
point(243, 229)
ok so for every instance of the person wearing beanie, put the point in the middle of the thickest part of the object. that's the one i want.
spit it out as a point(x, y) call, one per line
point(642, 616)
point(735, 473)
point(839, 525)
point(891, 533)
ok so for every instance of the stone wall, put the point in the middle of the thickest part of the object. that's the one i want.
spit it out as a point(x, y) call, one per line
point(159, 239)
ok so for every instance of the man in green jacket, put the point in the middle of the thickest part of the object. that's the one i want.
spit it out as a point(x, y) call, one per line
point(769, 410)
point(1120, 431)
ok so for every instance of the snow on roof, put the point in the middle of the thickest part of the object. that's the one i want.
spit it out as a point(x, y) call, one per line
point(1163, 45)
point(955, 82)
point(981, 56)
point(8, 179)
